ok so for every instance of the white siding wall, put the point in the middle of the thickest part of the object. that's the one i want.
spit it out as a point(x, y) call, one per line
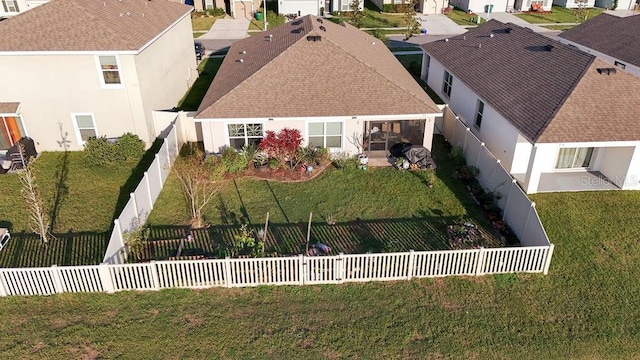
point(614, 163)
point(572, 4)
point(633, 174)
point(305, 7)
point(166, 70)
point(622, 4)
point(496, 132)
point(432, 6)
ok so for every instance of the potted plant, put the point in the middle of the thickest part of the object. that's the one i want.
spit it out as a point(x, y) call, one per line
point(363, 159)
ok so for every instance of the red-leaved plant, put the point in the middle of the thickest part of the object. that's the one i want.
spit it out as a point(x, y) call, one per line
point(282, 146)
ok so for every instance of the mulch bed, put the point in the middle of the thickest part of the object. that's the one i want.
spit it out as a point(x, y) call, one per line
point(282, 175)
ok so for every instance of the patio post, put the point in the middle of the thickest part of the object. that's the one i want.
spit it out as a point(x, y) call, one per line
point(506, 204)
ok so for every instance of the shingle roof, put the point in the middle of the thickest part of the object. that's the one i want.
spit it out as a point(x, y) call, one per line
point(9, 107)
point(346, 72)
point(615, 36)
point(89, 25)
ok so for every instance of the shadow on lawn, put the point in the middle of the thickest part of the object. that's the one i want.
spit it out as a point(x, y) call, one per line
point(64, 249)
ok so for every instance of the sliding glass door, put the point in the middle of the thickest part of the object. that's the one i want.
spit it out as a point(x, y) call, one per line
point(574, 158)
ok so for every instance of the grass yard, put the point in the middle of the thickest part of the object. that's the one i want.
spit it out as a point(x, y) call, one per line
point(207, 69)
point(373, 18)
point(202, 22)
point(560, 14)
point(273, 19)
point(381, 210)
point(82, 200)
point(461, 17)
point(586, 308)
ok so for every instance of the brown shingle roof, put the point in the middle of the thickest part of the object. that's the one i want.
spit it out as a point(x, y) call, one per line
point(601, 108)
point(618, 37)
point(89, 25)
point(9, 107)
point(513, 71)
point(346, 72)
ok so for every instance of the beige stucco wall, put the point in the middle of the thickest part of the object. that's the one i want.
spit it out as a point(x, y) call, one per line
point(52, 87)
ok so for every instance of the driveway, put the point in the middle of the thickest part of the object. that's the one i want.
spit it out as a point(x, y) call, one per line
point(504, 17)
point(227, 29)
point(438, 24)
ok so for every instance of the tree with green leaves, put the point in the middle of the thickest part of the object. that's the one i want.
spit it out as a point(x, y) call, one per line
point(409, 17)
point(356, 13)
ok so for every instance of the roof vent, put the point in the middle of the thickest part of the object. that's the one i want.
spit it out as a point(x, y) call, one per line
point(490, 35)
point(320, 20)
point(240, 61)
point(508, 30)
point(243, 52)
point(549, 47)
point(607, 71)
point(314, 38)
point(479, 46)
point(297, 22)
point(446, 40)
point(270, 37)
point(464, 37)
point(323, 28)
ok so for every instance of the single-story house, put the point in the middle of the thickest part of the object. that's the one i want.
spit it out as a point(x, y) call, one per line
point(621, 4)
point(614, 39)
point(424, 6)
point(74, 69)
point(557, 118)
point(14, 7)
point(314, 7)
point(342, 88)
point(493, 6)
point(574, 4)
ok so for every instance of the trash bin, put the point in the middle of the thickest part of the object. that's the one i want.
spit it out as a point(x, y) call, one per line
point(424, 31)
point(258, 16)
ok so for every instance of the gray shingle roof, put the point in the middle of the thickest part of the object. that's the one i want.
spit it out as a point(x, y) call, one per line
point(615, 36)
point(346, 73)
point(9, 107)
point(513, 72)
point(89, 25)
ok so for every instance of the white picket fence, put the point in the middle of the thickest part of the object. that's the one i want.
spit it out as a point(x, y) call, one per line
point(294, 270)
point(142, 199)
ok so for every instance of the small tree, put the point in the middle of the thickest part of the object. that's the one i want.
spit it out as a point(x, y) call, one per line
point(356, 13)
point(136, 239)
point(282, 146)
point(39, 220)
point(581, 10)
point(198, 182)
point(409, 17)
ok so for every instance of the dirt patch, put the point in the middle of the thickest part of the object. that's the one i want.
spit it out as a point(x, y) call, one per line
point(194, 321)
point(282, 175)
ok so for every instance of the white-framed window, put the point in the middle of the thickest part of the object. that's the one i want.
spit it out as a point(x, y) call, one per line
point(447, 83)
point(574, 158)
point(85, 127)
point(10, 6)
point(325, 134)
point(346, 5)
point(479, 112)
point(244, 134)
point(208, 4)
point(109, 71)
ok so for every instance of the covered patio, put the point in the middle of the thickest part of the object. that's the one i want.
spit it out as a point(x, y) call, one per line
point(570, 181)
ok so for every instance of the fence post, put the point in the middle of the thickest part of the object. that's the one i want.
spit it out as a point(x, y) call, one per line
point(479, 152)
point(175, 133)
point(480, 263)
point(146, 181)
point(506, 204)
point(57, 281)
point(453, 136)
point(301, 269)
point(526, 224)
point(157, 161)
point(118, 228)
point(3, 290)
point(547, 262)
point(464, 142)
point(105, 278)
point(168, 153)
point(341, 269)
point(227, 272)
point(153, 268)
point(135, 207)
point(412, 257)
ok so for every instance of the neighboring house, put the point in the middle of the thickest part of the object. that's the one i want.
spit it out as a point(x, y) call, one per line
point(573, 4)
point(622, 4)
point(73, 69)
point(557, 118)
point(424, 6)
point(614, 39)
point(338, 85)
point(314, 7)
point(482, 6)
point(14, 7)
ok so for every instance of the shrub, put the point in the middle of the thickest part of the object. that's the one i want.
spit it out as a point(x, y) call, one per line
point(388, 8)
point(99, 152)
point(233, 161)
point(457, 156)
point(216, 12)
point(129, 147)
point(282, 146)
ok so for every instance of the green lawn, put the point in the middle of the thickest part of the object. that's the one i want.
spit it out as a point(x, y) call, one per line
point(373, 18)
point(461, 17)
point(208, 68)
point(380, 210)
point(202, 22)
point(82, 199)
point(560, 14)
point(273, 19)
point(586, 308)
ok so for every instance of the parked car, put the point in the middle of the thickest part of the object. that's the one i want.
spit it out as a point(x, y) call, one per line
point(199, 50)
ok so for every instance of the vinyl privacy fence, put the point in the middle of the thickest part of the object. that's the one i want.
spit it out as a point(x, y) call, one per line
point(294, 270)
point(142, 199)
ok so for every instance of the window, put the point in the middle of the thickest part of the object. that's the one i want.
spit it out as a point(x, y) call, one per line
point(244, 134)
point(85, 127)
point(109, 69)
point(11, 130)
point(537, 3)
point(325, 134)
point(426, 63)
point(479, 111)
point(572, 158)
point(10, 6)
point(346, 5)
point(447, 83)
point(208, 4)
